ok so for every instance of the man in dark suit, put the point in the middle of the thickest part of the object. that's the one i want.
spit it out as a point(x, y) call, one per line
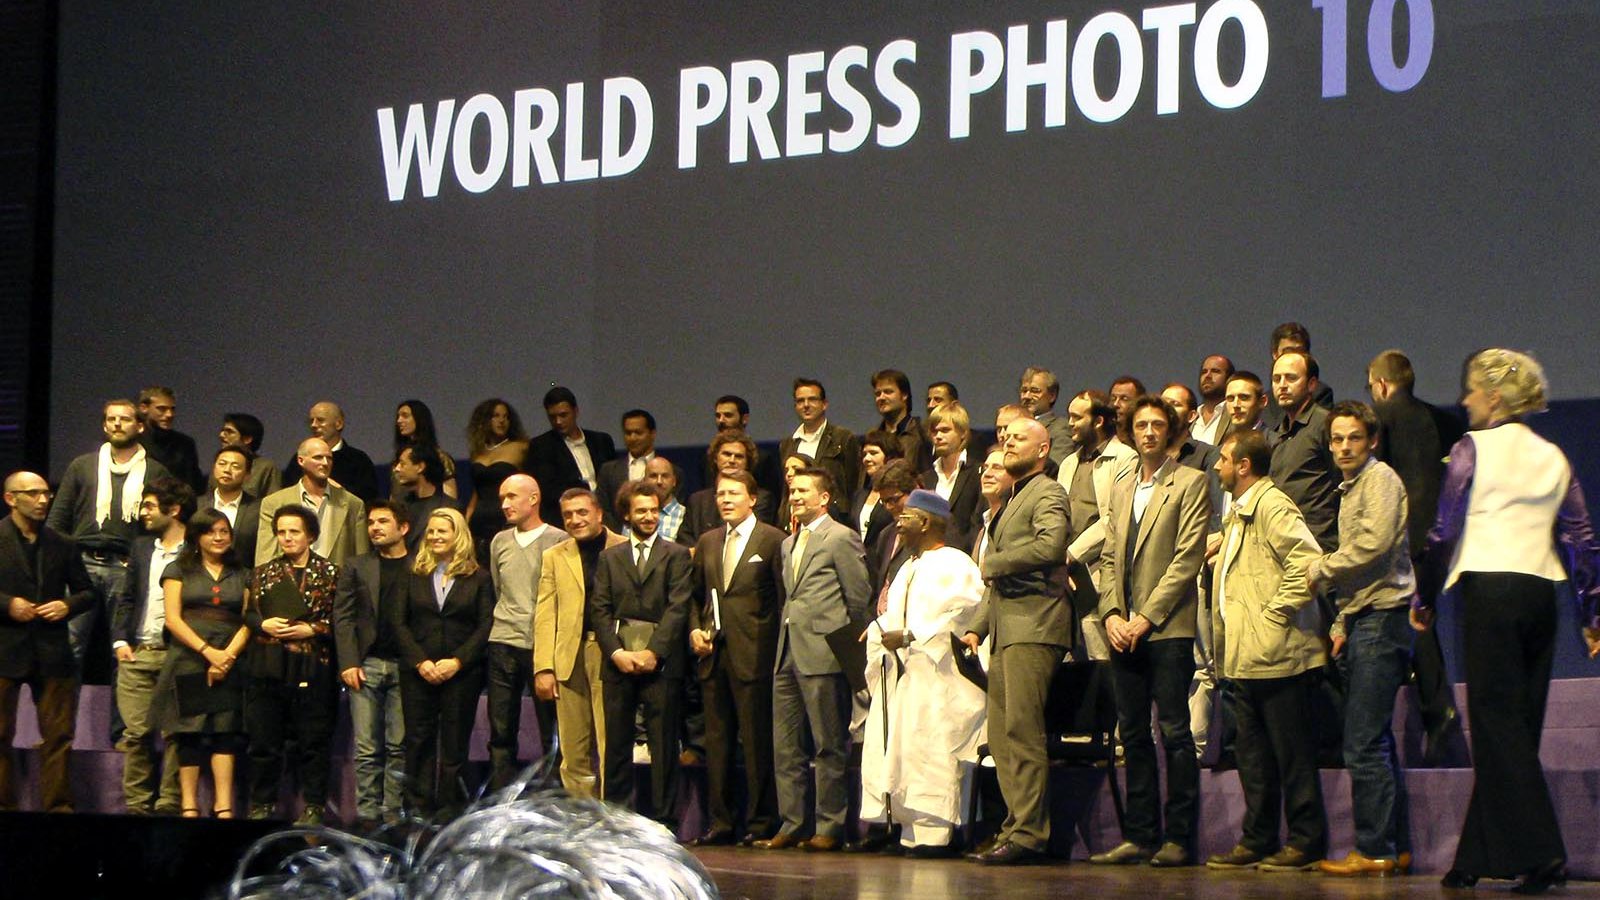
point(158, 407)
point(639, 440)
point(1416, 439)
point(833, 449)
point(566, 456)
point(352, 467)
point(1149, 596)
point(640, 613)
point(825, 580)
point(1292, 337)
point(894, 483)
point(138, 639)
point(38, 569)
point(229, 473)
point(734, 633)
point(891, 394)
point(951, 475)
point(1028, 619)
point(370, 586)
point(730, 452)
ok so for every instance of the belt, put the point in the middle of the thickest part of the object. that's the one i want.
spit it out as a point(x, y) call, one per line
point(105, 556)
point(150, 645)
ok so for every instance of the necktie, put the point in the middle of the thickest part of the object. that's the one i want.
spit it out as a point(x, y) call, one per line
point(730, 558)
point(638, 557)
point(799, 552)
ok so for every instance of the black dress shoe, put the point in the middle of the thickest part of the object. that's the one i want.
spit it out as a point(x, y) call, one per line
point(1543, 878)
point(1013, 854)
point(1455, 878)
point(929, 851)
point(873, 842)
point(984, 846)
point(717, 837)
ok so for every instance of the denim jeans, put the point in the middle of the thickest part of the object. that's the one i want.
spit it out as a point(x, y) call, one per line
point(109, 580)
point(1375, 663)
point(379, 731)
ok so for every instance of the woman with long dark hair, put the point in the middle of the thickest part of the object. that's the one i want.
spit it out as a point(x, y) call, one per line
point(413, 427)
point(498, 445)
point(1511, 513)
point(442, 630)
point(199, 700)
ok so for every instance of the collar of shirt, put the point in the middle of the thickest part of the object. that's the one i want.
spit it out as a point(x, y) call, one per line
point(578, 442)
point(800, 434)
point(219, 504)
point(308, 500)
point(1090, 454)
point(1348, 483)
point(816, 523)
point(525, 539)
point(1022, 482)
point(337, 447)
point(743, 529)
point(1241, 501)
point(645, 544)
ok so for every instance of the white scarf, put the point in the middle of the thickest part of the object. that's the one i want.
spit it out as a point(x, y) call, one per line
point(132, 489)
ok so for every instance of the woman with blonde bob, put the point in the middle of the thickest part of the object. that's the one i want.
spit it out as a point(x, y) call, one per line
point(442, 630)
point(1511, 524)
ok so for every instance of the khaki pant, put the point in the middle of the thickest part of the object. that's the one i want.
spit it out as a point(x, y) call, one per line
point(56, 702)
point(580, 723)
point(136, 688)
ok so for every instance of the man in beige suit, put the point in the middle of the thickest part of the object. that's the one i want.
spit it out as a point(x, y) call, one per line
point(341, 514)
point(1269, 644)
point(1026, 615)
point(1155, 543)
point(1088, 475)
point(566, 656)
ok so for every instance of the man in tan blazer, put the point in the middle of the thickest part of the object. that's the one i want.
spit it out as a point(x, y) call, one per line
point(1269, 638)
point(1155, 543)
point(341, 514)
point(1027, 617)
point(566, 656)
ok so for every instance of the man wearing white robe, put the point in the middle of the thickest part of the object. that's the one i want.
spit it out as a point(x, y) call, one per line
point(926, 720)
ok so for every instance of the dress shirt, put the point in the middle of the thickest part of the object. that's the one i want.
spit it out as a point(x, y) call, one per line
point(441, 584)
point(945, 486)
point(318, 506)
point(808, 443)
point(1142, 491)
point(1207, 432)
point(580, 454)
point(637, 466)
point(526, 538)
point(738, 537)
point(155, 610)
point(641, 550)
point(231, 510)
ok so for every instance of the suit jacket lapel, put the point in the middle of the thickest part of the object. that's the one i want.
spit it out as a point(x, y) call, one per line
point(333, 522)
point(1158, 498)
point(11, 546)
point(370, 573)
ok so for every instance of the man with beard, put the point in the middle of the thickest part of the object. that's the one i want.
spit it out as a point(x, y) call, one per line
point(158, 408)
point(1211, 416)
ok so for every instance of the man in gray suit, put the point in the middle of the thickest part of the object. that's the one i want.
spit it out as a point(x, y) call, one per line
point(341, 515)
point(1028, 619)
point(825, 579)
point(1149, 594)
point(516, 558)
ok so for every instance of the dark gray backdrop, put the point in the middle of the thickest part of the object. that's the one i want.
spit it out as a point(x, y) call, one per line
point(222, 223)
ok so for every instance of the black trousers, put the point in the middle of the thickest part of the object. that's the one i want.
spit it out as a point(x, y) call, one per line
point(1276, 749)
point(510, 676)
point(742, 711)
point(438, 726)
point(1436, 697)
point(1158, 671)
point(290, 729)
point(661, 699)
point(1508, 635)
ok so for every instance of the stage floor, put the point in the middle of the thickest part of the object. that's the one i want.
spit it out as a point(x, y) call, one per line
point(793, 875)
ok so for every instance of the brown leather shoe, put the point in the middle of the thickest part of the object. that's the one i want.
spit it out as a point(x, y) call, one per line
point(779, 841)
point(1355, 865)
point(821, 844)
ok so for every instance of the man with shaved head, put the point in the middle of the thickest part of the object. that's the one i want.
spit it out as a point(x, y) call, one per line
point(1028, 620)
point(516, 557)
point(342, 515)
point(43, 584)
point(352, 468)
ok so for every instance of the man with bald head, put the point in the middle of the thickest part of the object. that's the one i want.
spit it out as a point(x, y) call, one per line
point(516, 557)
point(43, 584)
point(352, 468)
point(342, 515)
point(1028, 620)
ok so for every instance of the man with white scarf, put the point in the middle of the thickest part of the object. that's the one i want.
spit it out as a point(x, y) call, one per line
point(97, 506)
point(926, 720)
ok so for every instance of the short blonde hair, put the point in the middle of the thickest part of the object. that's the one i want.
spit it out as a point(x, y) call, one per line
point(1515, 376)
point(462, 559)
point(954, 413)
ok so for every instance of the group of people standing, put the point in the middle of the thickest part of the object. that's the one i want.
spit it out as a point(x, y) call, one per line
point(897, 590)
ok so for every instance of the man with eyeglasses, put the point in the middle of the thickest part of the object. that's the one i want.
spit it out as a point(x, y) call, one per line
point(43, 585)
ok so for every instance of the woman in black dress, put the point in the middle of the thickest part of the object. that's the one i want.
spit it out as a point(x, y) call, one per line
point(442, 630)
point(199, 700)
point(498, 445)
point(293, 692)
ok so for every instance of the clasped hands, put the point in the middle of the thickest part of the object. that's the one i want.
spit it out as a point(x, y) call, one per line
point(23, 611)
point(438, 671)
point(635, 662)
point(1124, 634)
point(285, 630)
point(218, 663)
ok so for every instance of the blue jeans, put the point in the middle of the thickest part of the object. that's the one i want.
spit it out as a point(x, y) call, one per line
point(109, 580)
point(379, 732)
point(1375, 663)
